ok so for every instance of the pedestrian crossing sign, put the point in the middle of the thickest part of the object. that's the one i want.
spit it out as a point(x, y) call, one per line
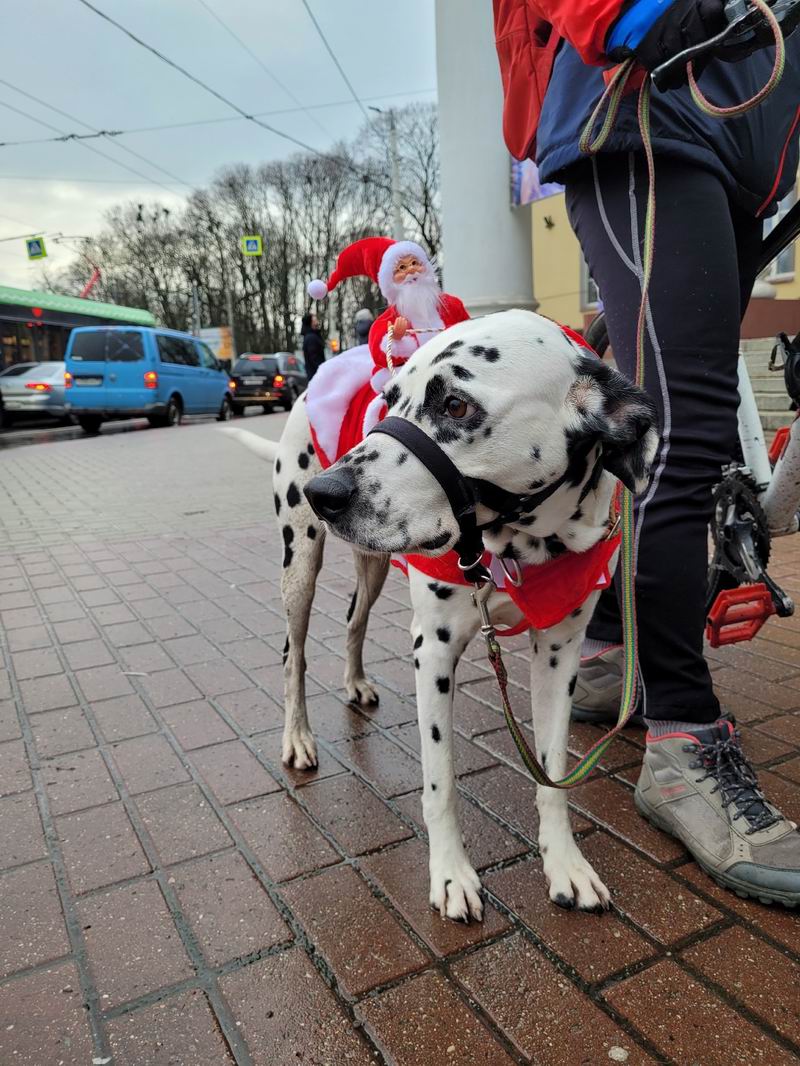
point(36, 248)
point(251, 245)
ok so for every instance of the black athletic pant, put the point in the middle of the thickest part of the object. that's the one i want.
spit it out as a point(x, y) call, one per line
point(704, 268)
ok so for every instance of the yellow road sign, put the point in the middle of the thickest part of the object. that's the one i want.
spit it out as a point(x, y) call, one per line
point(251, 245)
point(36, 248)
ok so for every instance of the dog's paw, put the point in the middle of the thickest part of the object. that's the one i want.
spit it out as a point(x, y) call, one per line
point(360, 691)
point(299, 750)
point(456, 891)
point(574, 883)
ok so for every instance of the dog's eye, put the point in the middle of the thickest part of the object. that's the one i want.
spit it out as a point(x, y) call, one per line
point(456, 407)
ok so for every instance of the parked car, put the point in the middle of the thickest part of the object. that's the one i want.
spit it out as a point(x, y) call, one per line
point(266, 380)
point(37, 390)
point(16, 368)
point(115, 372)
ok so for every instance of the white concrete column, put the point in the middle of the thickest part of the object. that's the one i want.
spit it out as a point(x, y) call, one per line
point(486, 244)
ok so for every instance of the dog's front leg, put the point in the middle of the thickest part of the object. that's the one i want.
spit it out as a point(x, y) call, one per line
point(555, 657)
point(444, 622)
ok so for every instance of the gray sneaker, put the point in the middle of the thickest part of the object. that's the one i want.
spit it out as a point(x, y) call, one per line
point(599, 688)
point(700, 788)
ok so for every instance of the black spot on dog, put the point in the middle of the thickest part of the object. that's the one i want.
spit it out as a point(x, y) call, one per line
point(418, 642)
point(277, 466)
point(534, 542)
point(536, 453)
point(435, 542)
point(445, 353)
point(288, 537)
point(488, 431)
point(285, 651)
point(392, 395)
point(553, 662)
point(310, 449)
point(576, 516)
point(554, 545)
point(405, 406)
point(311, 533)
point(416, 663)
point(402, 458)
point(443, 684)
point(535, 648)
point(437, 736)
point(555, 647)
point(292, 495)
point(277, 504)
point(543, 761)
point(433, 787)
point(443, 633)
point(352, 607)
point(577, 612)
point(346, 458)
point(441, 592)
point(303, 460)
point(528, 520)
point(461, 372)
point(491, 355)
point(537, 483)
point(573, 681)
point(509, 552)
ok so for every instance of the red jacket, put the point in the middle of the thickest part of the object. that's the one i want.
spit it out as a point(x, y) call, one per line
point(451, 311)
point(527, 34)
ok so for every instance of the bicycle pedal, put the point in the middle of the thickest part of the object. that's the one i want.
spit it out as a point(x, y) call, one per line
point(738, 614)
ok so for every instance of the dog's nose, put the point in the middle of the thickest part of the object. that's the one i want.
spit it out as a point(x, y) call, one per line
point(330, 493)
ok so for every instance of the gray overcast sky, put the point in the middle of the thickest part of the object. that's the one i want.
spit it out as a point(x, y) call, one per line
point(64, 54)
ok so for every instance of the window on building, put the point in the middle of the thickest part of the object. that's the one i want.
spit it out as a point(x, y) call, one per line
point(590, 294)
point(783, 267)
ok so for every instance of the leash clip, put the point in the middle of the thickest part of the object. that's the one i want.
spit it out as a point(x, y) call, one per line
point(480, 597)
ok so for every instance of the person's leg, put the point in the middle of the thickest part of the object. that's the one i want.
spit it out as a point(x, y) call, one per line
point(695, 782)
point(690, 371)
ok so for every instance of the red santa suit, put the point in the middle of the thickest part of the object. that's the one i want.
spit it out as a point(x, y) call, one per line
point(344, 400)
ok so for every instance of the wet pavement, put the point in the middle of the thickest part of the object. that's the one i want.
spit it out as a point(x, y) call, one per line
point(172, 896)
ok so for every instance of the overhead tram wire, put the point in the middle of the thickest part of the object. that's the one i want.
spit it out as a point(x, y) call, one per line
point(229, 103)
point(198, 122)
point(96, 132)
point(257, 59)
point(336, 62)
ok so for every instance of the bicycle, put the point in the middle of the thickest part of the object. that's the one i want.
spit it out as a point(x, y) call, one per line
point(758, 496)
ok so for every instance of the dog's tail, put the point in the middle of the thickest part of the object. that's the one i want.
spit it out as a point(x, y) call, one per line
point(264, 449)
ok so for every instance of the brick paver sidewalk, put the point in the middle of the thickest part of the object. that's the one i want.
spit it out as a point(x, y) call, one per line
point(171, 896)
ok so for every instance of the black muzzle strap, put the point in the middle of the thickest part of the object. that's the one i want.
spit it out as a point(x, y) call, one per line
point(455, 486)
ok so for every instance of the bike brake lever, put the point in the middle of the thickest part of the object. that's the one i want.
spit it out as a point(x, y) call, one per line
point(661, 74)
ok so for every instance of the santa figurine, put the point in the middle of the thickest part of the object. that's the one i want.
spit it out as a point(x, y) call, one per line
point(345, 400)
point(406, 278)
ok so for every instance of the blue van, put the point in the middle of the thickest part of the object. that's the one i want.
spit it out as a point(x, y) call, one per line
point(117, 372)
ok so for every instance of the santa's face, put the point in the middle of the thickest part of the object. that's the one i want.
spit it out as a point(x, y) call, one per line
point(409, 268)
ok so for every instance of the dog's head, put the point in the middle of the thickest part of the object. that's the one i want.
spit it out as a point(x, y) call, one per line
point(512, 400)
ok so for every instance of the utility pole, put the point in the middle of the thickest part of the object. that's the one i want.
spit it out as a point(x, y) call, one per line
point(394, 162)
point(195, 310)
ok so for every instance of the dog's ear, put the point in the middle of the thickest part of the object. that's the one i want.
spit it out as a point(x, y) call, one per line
point(622, 417)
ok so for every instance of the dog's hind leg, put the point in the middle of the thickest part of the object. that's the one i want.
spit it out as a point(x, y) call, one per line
point(444, 623)
point(555, 656)
point(371, 571)
point(303, 538)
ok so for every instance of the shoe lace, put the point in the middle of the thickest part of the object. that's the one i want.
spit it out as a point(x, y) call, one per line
point(725, 762)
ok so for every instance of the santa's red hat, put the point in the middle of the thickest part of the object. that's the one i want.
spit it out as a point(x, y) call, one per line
point(373, 257)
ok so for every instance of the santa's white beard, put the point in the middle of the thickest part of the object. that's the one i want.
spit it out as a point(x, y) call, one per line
point(418, 301)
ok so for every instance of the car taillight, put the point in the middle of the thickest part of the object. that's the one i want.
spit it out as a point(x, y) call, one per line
point(231, 384)
point(67, 379)
point(278, 379)
point(38, 386)
point(150, 379)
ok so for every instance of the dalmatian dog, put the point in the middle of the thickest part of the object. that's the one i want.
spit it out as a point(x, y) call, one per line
point(512, 399)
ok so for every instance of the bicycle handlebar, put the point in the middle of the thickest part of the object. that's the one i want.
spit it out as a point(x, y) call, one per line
point(745, 33)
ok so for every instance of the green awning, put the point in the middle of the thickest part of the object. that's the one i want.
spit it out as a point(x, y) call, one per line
point(73, 305)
